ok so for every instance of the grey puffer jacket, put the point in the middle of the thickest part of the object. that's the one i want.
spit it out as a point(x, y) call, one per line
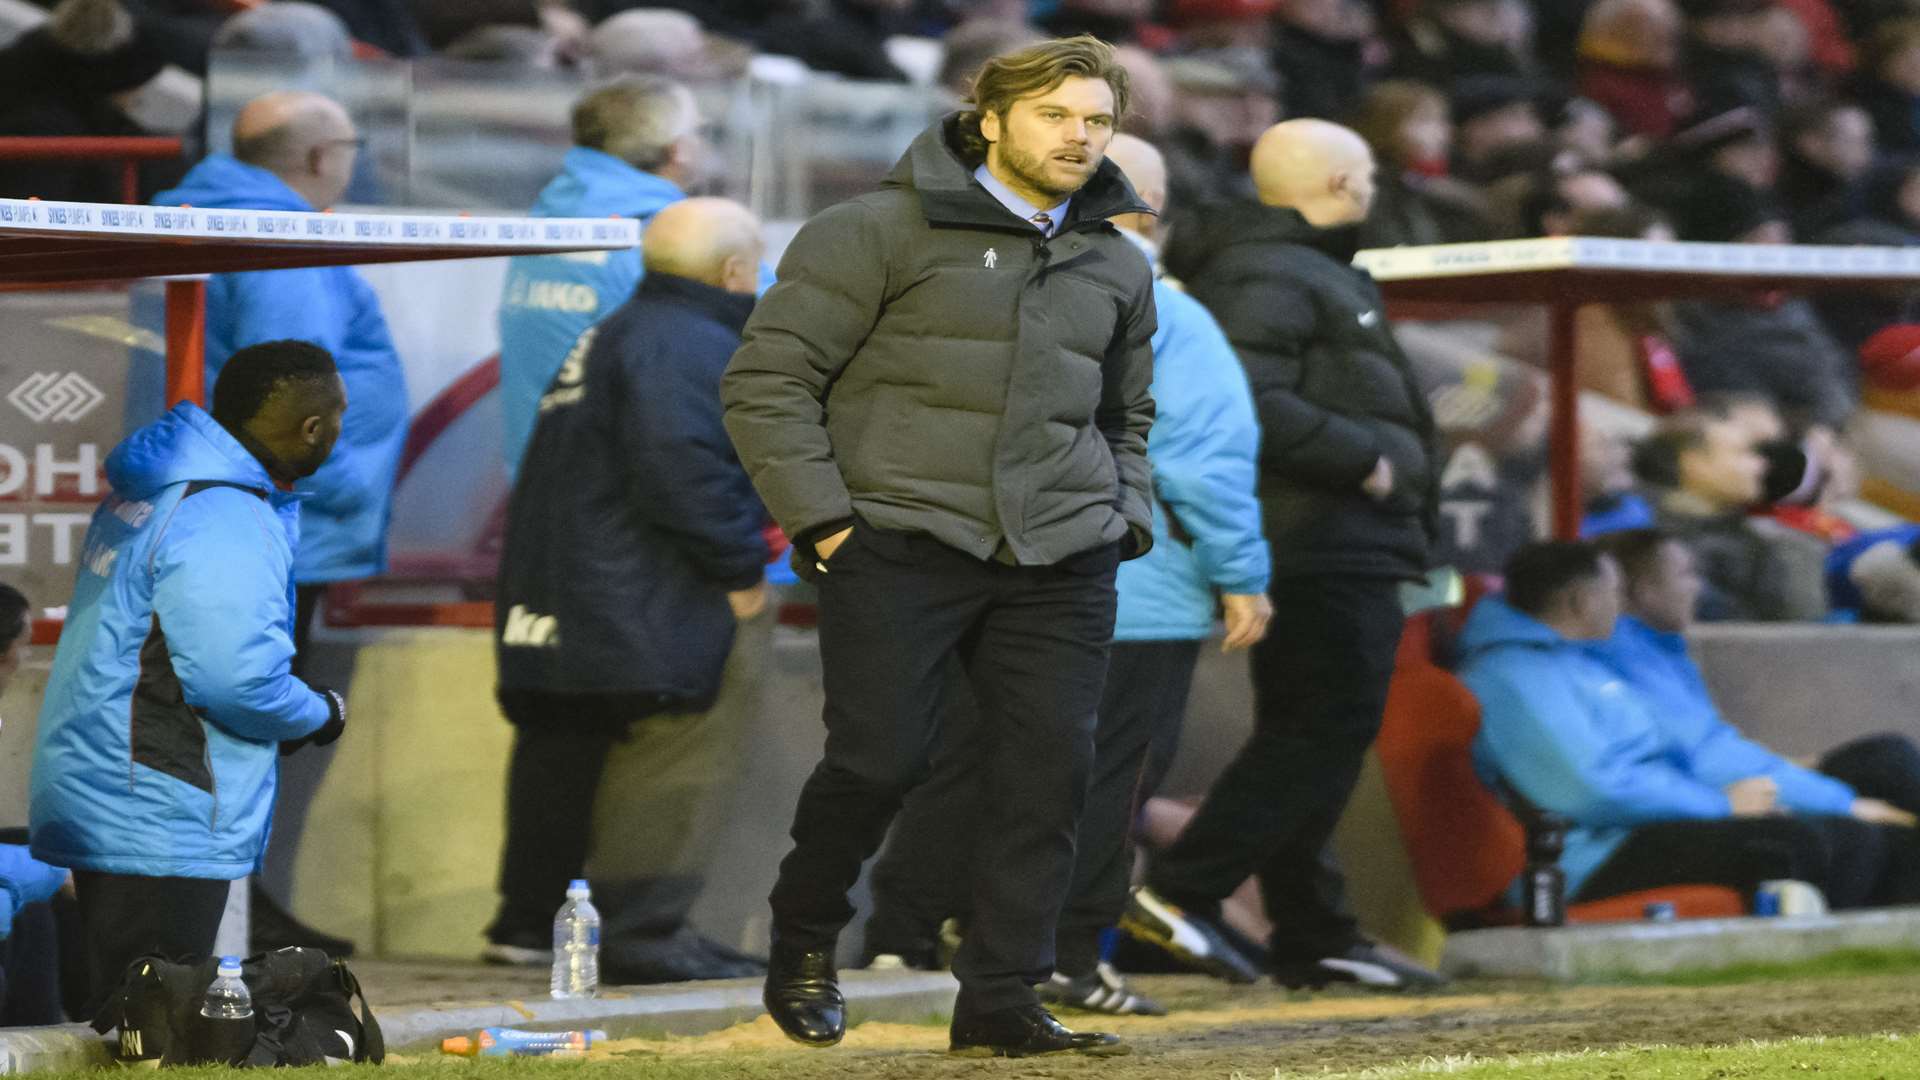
point(931, 363)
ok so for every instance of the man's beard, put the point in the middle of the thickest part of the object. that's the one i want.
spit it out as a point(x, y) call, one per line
point(1031, 170)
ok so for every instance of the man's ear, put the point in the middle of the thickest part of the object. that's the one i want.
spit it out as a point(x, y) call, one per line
point(310, 430)
point(990, 126)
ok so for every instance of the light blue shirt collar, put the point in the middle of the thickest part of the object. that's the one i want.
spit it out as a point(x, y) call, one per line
point(1020, 207)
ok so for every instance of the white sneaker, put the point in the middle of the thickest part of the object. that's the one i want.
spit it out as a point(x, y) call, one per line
point(516, 955)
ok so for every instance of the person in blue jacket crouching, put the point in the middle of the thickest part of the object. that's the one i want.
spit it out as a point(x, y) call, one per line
point(171, 697)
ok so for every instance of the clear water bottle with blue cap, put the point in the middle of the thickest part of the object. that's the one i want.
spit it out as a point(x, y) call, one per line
point(227, 1028)
point(576, 945)
point(227, 997)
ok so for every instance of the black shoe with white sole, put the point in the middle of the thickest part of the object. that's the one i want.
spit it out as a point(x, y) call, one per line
point(1366, 964)
point(1102, 990)
point(1195, 940)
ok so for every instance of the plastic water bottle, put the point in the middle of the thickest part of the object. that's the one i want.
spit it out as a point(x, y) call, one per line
point(1545, 891)
point(227, 1015)
point(227, 997)
point(576, 945)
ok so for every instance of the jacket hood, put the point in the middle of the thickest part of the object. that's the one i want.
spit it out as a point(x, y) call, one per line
point(940, 169)
point(597, 184)
point(1496, 624)
point(185, 444)
point(1202, 236)
point(222, 182)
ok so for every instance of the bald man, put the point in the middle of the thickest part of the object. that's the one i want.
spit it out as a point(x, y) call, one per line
point(1348, 492)
point(1207, 554)
point(632, 618)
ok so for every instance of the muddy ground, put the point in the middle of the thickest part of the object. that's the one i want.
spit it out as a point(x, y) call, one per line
point(1218, 1031)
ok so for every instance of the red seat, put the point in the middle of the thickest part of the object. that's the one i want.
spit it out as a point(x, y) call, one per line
point(1464, 845)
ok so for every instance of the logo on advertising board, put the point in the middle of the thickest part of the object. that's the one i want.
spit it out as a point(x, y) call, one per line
point(55, 396)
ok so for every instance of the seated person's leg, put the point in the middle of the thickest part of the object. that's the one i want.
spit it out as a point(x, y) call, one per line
point(1739, 853)
point(31, 959)
point(1884, 767)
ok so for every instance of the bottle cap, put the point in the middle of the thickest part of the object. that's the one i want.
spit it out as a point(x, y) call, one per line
point(229, 965)
point(578, 886)
point(458, 1044)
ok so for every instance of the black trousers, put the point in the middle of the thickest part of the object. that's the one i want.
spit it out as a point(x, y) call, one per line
point(625, 793)
point(127, 917)
point(1855, 864)
point(895, 609)
point(1319, 685)
point(917, 881)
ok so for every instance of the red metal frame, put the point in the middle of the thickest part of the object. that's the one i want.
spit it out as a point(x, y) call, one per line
point(129, 150)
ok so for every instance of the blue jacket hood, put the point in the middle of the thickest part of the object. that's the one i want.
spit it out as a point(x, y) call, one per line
point(1496, 623)
point(596, 184)
point(222, 182)
point(184, 444)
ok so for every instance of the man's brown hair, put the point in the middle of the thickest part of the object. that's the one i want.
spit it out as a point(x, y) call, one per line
point(1037, 69)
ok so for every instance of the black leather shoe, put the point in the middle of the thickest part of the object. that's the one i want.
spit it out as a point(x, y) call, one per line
point(1027, 1031)
point(803, 997)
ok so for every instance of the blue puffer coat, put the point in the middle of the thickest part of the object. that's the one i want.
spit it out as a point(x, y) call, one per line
point(343, 523)
point(551, 300)
point(1564, 730)
point(1204, 452)
point(157, 753)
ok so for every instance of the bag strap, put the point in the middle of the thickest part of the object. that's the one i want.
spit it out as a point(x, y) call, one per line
point(373, 1043)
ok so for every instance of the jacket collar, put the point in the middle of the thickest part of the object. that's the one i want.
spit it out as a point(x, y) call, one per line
point(937, 168)
point(728, 308)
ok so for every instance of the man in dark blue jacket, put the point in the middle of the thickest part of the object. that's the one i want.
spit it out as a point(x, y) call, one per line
point(630, 610)
point(172, 694)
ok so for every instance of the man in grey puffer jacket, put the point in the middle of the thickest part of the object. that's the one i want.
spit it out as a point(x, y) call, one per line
point(945, 403)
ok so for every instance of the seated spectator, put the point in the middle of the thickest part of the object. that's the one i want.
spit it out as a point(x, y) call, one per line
point(29, 943)
point(1556, 198)
point(1885, 212)
point(1564, 732)
point(974, 42)
point(658, 41)
point(290, 28)
point(1491, 113)
point(1607, 484)
point(1755, 569)
point(1726, 57)
point(1629, 52)
point(1660, 588)
point(1771, 344)
point(1322, 48)
point(1583, 126)
point(1625, 351)
point(1889, 83)
point(1415, 202)
point(1875, 577)
point(1826, 149)
point(1456, 39)
point(61, 78)
point(1222, 103)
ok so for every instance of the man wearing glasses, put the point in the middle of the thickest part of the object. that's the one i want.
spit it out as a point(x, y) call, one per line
point(296, 151)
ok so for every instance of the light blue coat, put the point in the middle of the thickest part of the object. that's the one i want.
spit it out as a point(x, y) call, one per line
point(550, 300)
point(1204, 450)
point(344, 520)
point(1566, 732)
point(157, 753)
point(1657, 665)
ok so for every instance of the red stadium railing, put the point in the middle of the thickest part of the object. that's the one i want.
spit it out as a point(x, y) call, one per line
point(129, 150)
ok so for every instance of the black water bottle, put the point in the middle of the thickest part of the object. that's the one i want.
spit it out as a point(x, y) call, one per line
point(1545, 891)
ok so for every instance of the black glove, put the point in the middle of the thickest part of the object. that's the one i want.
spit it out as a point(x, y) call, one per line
point(327, 732)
